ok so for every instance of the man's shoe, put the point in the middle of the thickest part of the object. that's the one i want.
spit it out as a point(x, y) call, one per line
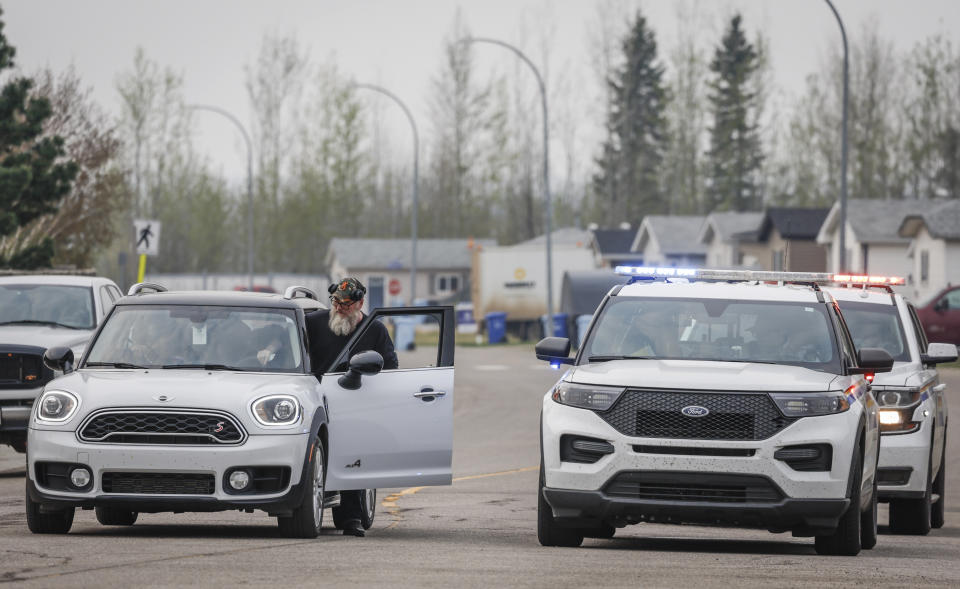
point(354, 528)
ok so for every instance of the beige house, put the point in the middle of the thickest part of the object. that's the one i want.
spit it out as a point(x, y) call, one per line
point(789, 239)
point(934, 250)
point(670, 240)
point(383, 265)
point(873, 241)
point(731, 239)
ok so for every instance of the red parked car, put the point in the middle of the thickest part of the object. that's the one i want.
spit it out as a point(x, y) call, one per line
point(941, 316)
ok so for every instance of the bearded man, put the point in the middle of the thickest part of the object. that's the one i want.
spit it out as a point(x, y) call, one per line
point(329, 332)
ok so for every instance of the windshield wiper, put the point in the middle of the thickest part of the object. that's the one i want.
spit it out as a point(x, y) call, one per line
point(113, 365)
point(38, 322)
point(202, 366)
point(608, 358)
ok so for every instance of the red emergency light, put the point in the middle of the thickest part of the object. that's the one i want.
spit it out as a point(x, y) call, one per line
point(865, 279)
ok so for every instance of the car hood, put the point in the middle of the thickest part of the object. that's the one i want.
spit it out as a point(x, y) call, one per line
point(193, 389)
point(44, 336)
point(702, 375)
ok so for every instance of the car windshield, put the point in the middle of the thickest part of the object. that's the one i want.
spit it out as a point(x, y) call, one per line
point(212, 337)
point(51, 304)
point(876, 326)
point(714, 329)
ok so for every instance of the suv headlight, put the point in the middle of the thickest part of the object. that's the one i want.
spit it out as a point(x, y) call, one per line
point(810, 404)
point(56, 406)
point(897, 408)
point(586, 396)
point(276, 410)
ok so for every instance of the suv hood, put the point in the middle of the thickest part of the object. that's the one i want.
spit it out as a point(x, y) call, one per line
point(702, 375)
point(44, 336)
point(903, 374)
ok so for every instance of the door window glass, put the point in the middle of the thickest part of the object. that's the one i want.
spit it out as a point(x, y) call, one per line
point(953, 299)
point(415, 338)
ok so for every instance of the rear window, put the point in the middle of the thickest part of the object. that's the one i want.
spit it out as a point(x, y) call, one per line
point(876, 326)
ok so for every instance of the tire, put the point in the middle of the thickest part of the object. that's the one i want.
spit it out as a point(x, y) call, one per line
point(307, 518)
point(548, 532)
point(111, 516)
point(868, 521)
point(368, 508)
point(58, 522)
point(913, 516)
point(940, 488)
point(845, 541)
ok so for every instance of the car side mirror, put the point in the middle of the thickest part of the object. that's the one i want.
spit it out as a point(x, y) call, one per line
point(59, 358)
point(556, 350)
point(941, 305)
point(363, 364)
point(939, 353)
point(873, 360)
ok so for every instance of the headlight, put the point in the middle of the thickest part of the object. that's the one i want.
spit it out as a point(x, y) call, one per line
point(276, 410)
point(897, 408)
point(56, 406)
point(894, 398)
point(586, 396)
point(810, 404)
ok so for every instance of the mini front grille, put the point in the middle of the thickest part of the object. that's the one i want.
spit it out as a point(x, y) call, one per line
point(158, 483)
point(161, 427)
point(693, 487)
point(730, 416)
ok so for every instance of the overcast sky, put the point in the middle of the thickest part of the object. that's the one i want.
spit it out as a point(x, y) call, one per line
point(397, 43)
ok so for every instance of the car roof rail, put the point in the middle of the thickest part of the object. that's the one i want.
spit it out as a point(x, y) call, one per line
point(49, 272)
point(141, 286)
point(293, 291)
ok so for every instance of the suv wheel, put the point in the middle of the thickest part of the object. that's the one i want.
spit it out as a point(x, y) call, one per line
point(845, 541)
point(868, 520)
point(913, 516)
point(111, 516)
point(548, 532)
point(307, 518)
point(58, 522)
point(940, 490)
point(368, 509)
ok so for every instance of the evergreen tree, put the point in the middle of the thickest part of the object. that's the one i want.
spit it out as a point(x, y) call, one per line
point(33, 177)
point(628, 183)
point(735, 155)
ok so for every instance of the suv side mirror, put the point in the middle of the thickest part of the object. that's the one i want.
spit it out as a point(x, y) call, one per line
point(59, 358)
point(362, 364)
point(873, 360)
point(939, 353)
point(554, 349)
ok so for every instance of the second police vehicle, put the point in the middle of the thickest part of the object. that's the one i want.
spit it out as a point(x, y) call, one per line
point(714, 397)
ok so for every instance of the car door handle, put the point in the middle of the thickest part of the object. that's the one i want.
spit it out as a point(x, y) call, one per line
point(940, 388)
point(428, 394)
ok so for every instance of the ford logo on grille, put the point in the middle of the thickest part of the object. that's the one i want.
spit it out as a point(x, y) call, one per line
point(695, 411)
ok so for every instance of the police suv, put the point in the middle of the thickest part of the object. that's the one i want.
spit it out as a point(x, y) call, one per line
point(713, 397)
point(913, 406)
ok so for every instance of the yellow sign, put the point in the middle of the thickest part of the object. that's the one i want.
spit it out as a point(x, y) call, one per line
point(519, 273)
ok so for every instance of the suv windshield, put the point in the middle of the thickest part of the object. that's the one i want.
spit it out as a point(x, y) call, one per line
point(876, 326)
point(53, 304)
point(714, 329)
point(183, 336)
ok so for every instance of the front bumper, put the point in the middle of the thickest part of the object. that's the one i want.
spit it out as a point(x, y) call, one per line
point(804, 516)
point(258, 450)
point(902, 452)
point(15, 408)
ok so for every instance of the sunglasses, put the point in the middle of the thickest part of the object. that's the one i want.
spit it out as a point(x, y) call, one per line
point(342, 304)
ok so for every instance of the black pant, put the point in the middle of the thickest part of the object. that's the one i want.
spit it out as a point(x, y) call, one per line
point(350, 507)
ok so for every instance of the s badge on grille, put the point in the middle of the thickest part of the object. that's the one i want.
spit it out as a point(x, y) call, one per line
point(695, 411)
point(219, 427)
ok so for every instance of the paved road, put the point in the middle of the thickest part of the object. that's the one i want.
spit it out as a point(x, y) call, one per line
point(479, 532)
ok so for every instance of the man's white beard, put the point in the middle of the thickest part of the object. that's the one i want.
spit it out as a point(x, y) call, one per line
point(343, 323)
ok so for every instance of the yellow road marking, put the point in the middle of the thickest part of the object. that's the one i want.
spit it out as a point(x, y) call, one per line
point(390, 501)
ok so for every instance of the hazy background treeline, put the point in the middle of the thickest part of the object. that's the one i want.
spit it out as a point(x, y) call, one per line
point(697, 128)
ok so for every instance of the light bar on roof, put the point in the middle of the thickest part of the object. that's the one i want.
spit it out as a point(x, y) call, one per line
point(653, 272)
point(869, 280)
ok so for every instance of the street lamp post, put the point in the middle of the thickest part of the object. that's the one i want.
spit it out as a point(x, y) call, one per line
point(246, 139)
point(843, 148)
point(546, 167)
point(416, 168)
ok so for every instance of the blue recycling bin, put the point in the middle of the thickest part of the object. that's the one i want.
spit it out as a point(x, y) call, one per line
point(496, 327)
point(559, 325)
point(583, 322)
point(404, 328)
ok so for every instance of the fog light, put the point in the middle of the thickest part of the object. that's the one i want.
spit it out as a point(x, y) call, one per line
point(80, 477)
point(239, 479)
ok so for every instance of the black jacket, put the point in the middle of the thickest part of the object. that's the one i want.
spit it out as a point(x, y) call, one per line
point(325, 345)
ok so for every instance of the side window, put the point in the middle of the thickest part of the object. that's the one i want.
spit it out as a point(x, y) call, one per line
point(115, 293)
point(106, 300)
point(953, 299)
point(918, 328)
point(406, 341)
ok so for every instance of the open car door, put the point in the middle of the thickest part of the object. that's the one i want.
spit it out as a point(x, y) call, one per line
point(396, 428)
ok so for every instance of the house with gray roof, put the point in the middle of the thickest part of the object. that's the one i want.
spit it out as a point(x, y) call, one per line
point(873, 241)
point(934, 251)
point(731, 239)
point(383, 265)
point(671, 240)
point(788, 236)
point(612, 247)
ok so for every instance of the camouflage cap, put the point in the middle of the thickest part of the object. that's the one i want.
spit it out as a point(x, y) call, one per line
point(348, 289)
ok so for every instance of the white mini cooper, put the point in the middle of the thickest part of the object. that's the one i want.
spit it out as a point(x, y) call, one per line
point(172, 409)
